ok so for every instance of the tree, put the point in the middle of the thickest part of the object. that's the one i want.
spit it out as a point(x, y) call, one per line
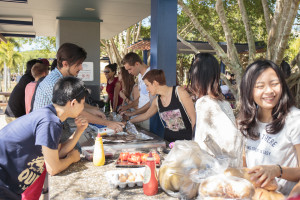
point(44, 44)
point(278, 24)
point(9, 57)
point(116, 47)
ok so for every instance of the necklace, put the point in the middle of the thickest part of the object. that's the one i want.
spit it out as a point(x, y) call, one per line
point(166, 99)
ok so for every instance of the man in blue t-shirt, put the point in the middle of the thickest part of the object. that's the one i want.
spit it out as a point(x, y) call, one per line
point(32, 140)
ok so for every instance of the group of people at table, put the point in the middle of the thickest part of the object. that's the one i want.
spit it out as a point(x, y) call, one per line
point(264, 137)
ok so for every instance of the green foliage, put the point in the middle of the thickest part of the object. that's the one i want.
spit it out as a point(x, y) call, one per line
point(45, 44)
point(294, 48)
point(9, 56)
point(209, 19)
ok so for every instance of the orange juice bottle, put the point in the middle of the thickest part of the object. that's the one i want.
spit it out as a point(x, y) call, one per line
point(98, 156)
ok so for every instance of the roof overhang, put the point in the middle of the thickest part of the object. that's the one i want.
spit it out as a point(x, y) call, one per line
point(39, 17)
point(203, 47)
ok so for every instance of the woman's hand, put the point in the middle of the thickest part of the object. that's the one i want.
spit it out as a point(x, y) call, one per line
point(116, 126)
point(263, 174)
point(81, 123)
point(126, 113)
point(122, 108)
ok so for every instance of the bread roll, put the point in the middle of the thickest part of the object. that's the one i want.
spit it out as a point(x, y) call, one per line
point(189, 189)
point(226, 187)
point(243, 173)
point(168, 178)
point(262, 194)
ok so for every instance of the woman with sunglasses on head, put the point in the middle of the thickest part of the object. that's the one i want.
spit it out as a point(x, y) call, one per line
point(174, 105)
point(130, 91)
point(271, 125)
point(215, 121)
point(113, 86)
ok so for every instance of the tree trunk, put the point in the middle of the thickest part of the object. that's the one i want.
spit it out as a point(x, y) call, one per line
point(273, 33)
point(205, 34)
point(296, 61)
point(292, 7)
point(8, 79)
point(231, 50)
point(5, 77)
point(250, 39)
point(116, 52)
point(266, 14)
point(138, 32)
point(187, 44)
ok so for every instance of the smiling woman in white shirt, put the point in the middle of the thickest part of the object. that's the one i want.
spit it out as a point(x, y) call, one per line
point(271, 124)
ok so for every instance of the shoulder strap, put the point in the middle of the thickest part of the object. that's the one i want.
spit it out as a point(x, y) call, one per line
point(178, 96)
point(159, 112)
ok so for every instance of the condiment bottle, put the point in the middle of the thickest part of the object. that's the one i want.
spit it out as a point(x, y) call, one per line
point(150, 184)
point(98, 156)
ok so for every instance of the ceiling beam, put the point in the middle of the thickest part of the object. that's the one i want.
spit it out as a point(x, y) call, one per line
point(2, 38)
point(27, 35)
point(15, 1)
point(16, 22)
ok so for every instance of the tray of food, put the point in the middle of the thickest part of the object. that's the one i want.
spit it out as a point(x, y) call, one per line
point(135, 159)
point(88, 151)
point(125, 178)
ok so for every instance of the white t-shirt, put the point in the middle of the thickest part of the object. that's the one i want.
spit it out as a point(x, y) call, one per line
point(272, 149)
point(216, 130)
point(224, 89)
point(144, 94)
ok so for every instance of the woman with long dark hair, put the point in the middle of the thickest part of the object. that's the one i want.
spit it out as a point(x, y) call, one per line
point(130, 91)
point(271, 124)
point(215, 121)
point(113, 86)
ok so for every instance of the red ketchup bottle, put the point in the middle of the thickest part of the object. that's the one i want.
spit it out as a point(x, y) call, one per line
point(150, 184)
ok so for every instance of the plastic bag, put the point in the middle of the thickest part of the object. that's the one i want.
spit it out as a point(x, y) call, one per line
point(184, 168)
point(229, 187)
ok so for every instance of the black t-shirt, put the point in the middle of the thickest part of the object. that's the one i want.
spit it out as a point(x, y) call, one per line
point(16, 102)
point(21, 141)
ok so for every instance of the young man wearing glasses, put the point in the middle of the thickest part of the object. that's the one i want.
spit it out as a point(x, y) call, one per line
point(32, 140)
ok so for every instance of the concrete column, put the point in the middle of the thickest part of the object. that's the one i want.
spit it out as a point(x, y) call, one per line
point(87, 35)
point(164, 37)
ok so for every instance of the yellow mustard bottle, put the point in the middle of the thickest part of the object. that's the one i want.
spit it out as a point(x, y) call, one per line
point(98, 156)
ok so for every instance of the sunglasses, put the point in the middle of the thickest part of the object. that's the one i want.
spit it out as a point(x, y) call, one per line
point(106, 71)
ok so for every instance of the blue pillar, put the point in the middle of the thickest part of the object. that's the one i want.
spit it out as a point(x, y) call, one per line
point(145, 56)
point(164, 37)
point(163, 47)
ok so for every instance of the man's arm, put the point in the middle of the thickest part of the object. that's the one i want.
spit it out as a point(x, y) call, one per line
point(54, 164)
point(116, 126)
point(68, 145)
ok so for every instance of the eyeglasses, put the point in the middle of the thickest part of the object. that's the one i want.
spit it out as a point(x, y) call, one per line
point(106, 71)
